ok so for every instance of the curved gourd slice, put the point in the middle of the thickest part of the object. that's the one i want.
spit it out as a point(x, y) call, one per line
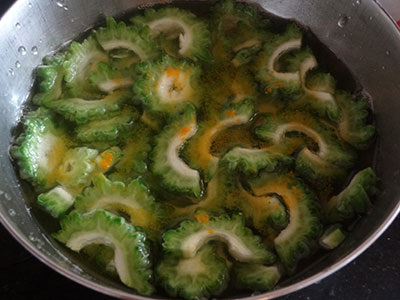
point(242, 244)
point(131, 251)
point(174, 23)
point(293, 243)
point(175, 174)
point(168, 83)
point(198, 151)
point(56, 202)
point(41, 148)
point(255, 277)
point(81, 60)
point(133, 199)
point(118, 36)
point(203, 275)
point(108, 79)
point(332, 237)
point(51, 78)
point(330, 149)
point(107, 130)
point(354, 199)
point(353, 126)
point(283, 84)
point(251, 161)
point(82, 111)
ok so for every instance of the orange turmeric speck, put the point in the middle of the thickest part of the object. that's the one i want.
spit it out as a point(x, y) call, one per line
point(232, 113)
point(210, 231)
point(106, 160)
point(184, 131)
point(202, 218)
point(172, 72)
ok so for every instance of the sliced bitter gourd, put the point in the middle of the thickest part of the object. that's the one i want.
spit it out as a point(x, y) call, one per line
point(131, 250)
point(251, 161)
point(178, 24)
point(175, 174)
point(81, 60)
point(258, 278)
point(294, 242)
point(41, 148)
point(353, 127)
point(107, 79)
point(75, 170)
point(203, 275)
point(108, 130)
point(117, 36)
point(333, 236)
point(82, 111)
point(107, 159)
point(330, 149)
point(198, 151)
point(134, 200)
point(56, 202)
point(51, 77)
point(163, 85)
point(274, 82)
point(354, 199)
point(242, 244)
point(102, 258)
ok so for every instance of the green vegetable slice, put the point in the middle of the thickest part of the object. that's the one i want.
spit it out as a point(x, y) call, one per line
point(117, 36)
point(333, 236)
point(102, 257)
point(203, 275)
point(242, 244)
point(354, 199)
point(108, 79)
point(41, 148)
point(168, 83)
point(294, 242)
point(82, 111)
point(353, 126)
point(56, 202)
point(198, 150)
point(173, 24)
point(175, 174)
point(81, 60)
point(107, 159)
point(108, 130)
point(131, 251)
point(256, 277)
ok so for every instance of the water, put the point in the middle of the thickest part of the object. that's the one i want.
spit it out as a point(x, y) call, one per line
point(22, 50)
point(34, 50)
point(11, 212)
point(17, 64)
point(18, 25)
point(343, 21)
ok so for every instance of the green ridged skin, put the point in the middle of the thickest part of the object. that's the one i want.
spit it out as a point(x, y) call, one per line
point(107, 130)
point(80, 61)
point(108, 79)
point(354, 199)
point(198, 149)
point(168, 83)
point(333, 236)
point(132, 253)
point(330, 148)
point(133, 199)
point(56, 201)
point(174, 173)
point(51, 78)
point(40, 149)
point(294, 242)
point(173, 23)
point(203, 275)
point(242, 244)
point(82, 111)
point(255, 277)
point(77, 166)
point(250, 161)
point(246, 55)
point(286, 85)
point(353, 126)
point(136, 41)
point(321, 82)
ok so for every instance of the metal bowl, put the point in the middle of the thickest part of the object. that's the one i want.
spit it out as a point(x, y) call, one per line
point(359, 33)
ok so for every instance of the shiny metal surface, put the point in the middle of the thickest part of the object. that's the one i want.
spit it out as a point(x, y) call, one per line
point(369, 44)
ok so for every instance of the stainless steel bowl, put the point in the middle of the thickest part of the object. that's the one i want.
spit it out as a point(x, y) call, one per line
point(361, 35)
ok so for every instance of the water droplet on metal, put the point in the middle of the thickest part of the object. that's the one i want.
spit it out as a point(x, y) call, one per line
point(72, 20)
point(34, 50)
point(7, 196)
point(65, 7)
point(60, 3)
point(11, 71)
point(11, 212)
point(387, 52)
point(17, 64)
point(383, 68)
point(18, 25)
point(31, 236)
point(358, 2)
point(343, 21)
point(22, 50)
point(29, 5)
point(40, 41)
point(1, 192)
point(371, 18)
